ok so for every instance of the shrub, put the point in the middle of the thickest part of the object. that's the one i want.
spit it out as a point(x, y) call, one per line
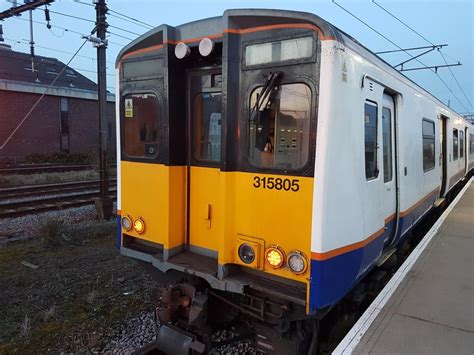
point(58, 158)
point(52, 232)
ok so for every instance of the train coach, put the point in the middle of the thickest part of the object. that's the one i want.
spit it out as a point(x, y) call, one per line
point(274, 161)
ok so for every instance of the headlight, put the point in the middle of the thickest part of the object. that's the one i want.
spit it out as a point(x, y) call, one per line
point(139, 225)
point(126, 223)
point(297, 262)
point(275, 257)
point(246, 253)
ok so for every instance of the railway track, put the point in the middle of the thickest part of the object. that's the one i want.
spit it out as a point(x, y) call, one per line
point(43, 168)
point(20, 201)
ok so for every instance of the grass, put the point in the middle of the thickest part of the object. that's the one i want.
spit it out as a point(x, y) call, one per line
point(74, 293)
point(52, 232)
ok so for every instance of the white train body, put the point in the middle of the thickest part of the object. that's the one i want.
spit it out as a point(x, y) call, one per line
point(355, 216)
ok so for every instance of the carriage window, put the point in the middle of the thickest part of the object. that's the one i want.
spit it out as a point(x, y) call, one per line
point(461, 144)
point(471, 144)
point(207, 127)
point(280, 129)
point(387, 144)
point(274, 52)
point(370, 123)
point(140, 121)
point(428, 134)
point(455, 144)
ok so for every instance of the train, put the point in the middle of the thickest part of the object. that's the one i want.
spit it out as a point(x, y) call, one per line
point(272, 161)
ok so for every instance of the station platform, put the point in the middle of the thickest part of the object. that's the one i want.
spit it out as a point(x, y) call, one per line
point(428, 305)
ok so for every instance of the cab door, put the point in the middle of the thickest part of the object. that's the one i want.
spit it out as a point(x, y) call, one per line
point(204, 107)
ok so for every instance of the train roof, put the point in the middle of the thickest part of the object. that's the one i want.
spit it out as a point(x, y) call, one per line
point(242, 18)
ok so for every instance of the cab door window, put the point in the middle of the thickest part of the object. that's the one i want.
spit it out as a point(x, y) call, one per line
point(140, 125)
point(280, 131)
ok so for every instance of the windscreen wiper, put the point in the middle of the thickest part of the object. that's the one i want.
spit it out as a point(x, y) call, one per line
point(267, 88)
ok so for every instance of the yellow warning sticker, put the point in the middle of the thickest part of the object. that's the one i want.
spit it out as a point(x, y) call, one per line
point(129, 108)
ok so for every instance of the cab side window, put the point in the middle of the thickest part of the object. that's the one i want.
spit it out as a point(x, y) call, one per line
point(140, 125)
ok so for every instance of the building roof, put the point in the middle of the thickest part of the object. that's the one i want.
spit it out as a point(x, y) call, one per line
point(16, 66)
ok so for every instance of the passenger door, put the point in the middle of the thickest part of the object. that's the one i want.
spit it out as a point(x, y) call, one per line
point(444, 155)
point(204, 109)
point(388, 142)
point(380, 200)
point(466, 150)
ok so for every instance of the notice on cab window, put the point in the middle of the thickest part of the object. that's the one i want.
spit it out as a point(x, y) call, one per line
point(129, 108)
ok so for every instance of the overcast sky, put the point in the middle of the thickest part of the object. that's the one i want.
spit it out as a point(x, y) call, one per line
point(441, 22)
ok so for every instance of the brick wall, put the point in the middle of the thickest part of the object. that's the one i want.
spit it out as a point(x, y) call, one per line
point(84, 125)
point(40, 133)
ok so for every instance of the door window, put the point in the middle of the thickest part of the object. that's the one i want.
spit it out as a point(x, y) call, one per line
point(280, 129)
point(370, 127)
point(461, 144)
point(387, 144)
point(428, 128)
point(455, 144)
point(207, 127)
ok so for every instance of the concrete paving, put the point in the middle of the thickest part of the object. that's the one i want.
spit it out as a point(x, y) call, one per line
point(432, 311)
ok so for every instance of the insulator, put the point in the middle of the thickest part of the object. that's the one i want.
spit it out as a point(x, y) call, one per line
point(47, 17)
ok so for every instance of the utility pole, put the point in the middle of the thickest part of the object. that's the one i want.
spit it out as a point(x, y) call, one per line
point(104, 203)
point(32, 42)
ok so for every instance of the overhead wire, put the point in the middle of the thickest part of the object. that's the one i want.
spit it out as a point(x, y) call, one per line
point(403, 23)
point(116, 34)
point(131, 18)
point(84, 19)
point(116, 14)
point(396, 45)
point(72, 16)
point(430, 42)
point(25, 42)
point(455, 79)
point(67, 30)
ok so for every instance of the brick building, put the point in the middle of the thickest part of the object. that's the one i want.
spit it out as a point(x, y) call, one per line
point(65, 120)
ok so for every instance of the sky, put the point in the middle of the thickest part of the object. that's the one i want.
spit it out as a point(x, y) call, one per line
point(440, 22)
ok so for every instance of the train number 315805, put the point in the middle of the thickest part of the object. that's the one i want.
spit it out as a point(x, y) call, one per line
point(271, 183)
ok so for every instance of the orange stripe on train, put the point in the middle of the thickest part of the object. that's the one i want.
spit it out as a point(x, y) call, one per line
point(351, 247)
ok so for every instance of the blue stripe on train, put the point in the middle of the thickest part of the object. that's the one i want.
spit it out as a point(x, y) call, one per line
point(333, 278)
point(118, 242)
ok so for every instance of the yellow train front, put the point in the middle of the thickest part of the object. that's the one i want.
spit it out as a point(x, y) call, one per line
point(217, 122)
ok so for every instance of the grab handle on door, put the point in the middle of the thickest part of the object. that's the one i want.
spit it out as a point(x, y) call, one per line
point(207, 214)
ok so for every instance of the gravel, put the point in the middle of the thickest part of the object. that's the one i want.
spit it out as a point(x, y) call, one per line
point(132, 335)
point(27, 226)
point(239, 347)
